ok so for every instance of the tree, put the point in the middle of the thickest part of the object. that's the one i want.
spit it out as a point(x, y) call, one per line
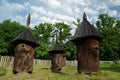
point(109, 28)
point(43, 33)
point(64, 38)
point(64, 32)
point(77, 23)
point(8, 31)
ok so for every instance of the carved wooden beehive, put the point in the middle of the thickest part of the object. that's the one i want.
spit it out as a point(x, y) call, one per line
point(58, 59)
point(25, 44)
point(87, 42)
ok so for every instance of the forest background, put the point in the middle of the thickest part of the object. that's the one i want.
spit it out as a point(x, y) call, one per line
point(109, 28)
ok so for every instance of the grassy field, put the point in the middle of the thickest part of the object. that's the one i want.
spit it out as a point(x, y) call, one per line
point(107, 72)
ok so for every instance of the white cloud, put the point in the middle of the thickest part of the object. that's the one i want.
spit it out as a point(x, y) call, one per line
point(102, 6)
point(77, 10)
point(42, 1)
point(114, 2)
point(48, 19)
point(112, 13)
point(11, 8)
point(81, 2)
point(39, 10)
point(50, 14)
point(64, 17)
point(57, 10)
point(17, 7)
point(54, 3)
point(35, 16)
point(69, 10)
point(19, 18)
point(90, 11)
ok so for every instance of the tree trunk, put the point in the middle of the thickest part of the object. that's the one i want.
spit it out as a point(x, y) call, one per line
point(88, 56)
point(57, 62)
point(23, 60)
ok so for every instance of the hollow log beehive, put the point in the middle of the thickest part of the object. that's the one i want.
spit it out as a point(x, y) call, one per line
point(87, 40)
point(25, 44)
point(58, 59)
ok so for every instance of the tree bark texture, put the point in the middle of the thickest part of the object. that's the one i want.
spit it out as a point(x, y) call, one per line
point(88, 56)
point(23, 60)
point(58, 61)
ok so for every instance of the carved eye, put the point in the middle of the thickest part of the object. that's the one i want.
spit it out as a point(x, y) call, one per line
point(23, 45)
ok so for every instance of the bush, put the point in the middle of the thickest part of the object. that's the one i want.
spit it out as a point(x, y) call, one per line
point(2, 71)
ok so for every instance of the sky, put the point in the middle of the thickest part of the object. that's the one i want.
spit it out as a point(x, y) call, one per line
point(52, 11)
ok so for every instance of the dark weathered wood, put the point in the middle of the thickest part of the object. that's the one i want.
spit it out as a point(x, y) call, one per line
point(58, 61)
point(23, 60)
point(88, 56)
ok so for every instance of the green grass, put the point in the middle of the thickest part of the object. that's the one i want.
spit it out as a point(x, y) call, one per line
point(108, 72)
point(2, 71)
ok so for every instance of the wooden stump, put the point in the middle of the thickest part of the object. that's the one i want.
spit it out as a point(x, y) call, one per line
point(88, 56)
point(23, 60)
point(58, 61)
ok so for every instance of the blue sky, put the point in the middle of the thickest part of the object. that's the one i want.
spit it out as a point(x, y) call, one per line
point(57, 10)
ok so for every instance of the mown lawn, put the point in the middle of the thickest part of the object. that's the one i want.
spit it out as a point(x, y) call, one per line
point(107, 72)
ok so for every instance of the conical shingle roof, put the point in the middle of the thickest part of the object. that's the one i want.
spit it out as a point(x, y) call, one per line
point(86, 30)
point(57, 48)
point(25, 37)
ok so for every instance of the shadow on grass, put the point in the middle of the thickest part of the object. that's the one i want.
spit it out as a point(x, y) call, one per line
point(114, 69)
point(61, 73)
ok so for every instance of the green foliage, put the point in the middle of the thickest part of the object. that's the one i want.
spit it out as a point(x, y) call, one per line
point(110, 64)
point(70, 50)
point(109, 28)
point(2, 71)
point(64, 32)
point(8, 31)
point(45, 34)
point(64, 38)
point(77, 23)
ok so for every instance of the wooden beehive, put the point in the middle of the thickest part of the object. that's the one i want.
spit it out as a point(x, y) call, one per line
point(58, 59)
point(25, 44)
point(87, 42)
point(23, 60)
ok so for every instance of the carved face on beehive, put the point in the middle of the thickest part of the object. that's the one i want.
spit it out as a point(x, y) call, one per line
point(94, 45)
point(23, 47)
